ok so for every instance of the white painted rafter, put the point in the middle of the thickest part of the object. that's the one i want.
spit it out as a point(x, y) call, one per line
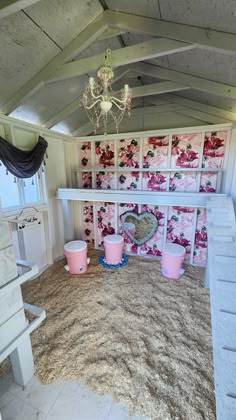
point(203, 37)
point(82, 41)
point(195, 82)
point(123, 56)
point(199, 106)
point(157, 89)
point(8, 7)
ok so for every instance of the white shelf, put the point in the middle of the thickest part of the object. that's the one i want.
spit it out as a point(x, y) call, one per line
point(132, 169)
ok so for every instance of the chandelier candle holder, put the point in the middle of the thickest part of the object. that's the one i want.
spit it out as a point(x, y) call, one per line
point(100, 101)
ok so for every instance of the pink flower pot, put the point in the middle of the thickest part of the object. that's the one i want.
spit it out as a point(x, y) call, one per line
point(171, 261)
point(76, 255)
point(113, 245)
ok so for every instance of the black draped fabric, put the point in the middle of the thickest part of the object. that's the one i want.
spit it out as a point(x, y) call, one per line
point(21, 163)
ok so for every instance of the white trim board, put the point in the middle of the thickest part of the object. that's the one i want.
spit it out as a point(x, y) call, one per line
point(165, 132)
point(138, 197)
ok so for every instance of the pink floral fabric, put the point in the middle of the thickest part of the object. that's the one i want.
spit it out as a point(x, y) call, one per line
point(155, 244)
point(180, 226)
point(128, 153)
point(200, 243)
point(128, 181)
point(185, 150)
point(155, 151)
point(183, 181)
point(154, 181)
point(105, 181)
point(104, 153)
point(86, 179)
point(129, 245)
point(105, 221)
point(213, 157)
point(85, 155)
point(88, 227)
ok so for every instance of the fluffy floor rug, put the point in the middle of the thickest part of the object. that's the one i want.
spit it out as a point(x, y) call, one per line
point(130, 333)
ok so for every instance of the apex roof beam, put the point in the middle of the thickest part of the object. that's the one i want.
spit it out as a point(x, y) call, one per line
point(203, 37)
point(195, 82)
point(69, 109)
point(82, 41)
point(7, 7)
point(127, 55)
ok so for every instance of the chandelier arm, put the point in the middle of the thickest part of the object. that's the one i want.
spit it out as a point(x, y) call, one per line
point(118, 100)
point(91, 106)
point(118, 106)
point(97, 97)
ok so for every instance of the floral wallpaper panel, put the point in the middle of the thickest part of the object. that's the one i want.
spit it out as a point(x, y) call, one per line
point(180, 226)
point(185, 149)
point(85, 155)
point(213, 157)
point(104, 153)
point(128, 180)
point(200, 243)
point(123, 208)
point(154, 181)
point(88, 226)
point(105, 221)
point(183, 181)
point(86, 179)
point(155, 244)
point(155, 152)
point(105, 181)
point(128, 153)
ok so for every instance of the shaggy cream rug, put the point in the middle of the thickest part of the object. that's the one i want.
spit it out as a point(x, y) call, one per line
point(130, 333)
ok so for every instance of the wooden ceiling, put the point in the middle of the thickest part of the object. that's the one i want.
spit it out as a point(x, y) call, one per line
point(179, 57)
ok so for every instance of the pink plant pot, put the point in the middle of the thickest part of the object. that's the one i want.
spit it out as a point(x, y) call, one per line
point(76, 255)
point(171, 261)
point(113, 245)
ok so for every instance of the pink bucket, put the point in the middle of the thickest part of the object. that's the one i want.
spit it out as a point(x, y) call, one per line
point(171, 261)
point(76, 255)
point(113, 245)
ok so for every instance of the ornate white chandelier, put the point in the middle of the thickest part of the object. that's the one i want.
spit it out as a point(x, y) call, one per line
point(100, 101)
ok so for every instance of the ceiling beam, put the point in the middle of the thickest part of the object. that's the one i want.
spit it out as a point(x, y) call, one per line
point(199, 106)
point(8, 7)
point(203, 37)
point(203, 116)
point(123, 56)
point(195, 82)
point(82, 41)
point(110, 33)
point(69, 109)
point(157, 88)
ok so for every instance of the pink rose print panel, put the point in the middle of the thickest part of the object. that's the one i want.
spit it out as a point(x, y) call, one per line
point(183, 181)
point(128, 181)
point(200, 243)
point(155, 244)
point(129, 245)
point(155, 152)
point(105, 221)
point(85, 155)
point(128, 153)
point(180, 226)
point(105, 181)
point(86, 179)
point(104, 153)
point(154, 181)
point(185, 150)
point(213, 157)
point(88, 228)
